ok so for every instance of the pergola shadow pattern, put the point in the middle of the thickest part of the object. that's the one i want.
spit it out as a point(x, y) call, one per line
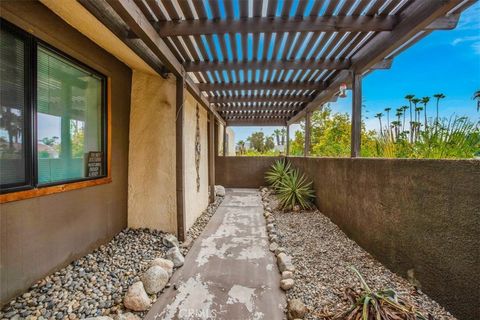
point(269, 62)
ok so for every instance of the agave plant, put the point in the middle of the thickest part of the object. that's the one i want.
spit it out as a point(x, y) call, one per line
point(375, 305)
point(277, 173)
point(294, 189)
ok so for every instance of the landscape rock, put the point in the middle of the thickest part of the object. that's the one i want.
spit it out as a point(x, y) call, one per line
point(170, 241)
point(220, 191)
point(155, 279)
point(165, 264)
point(273, 237)
point(126, 316)
point(136, 298)
point(285, 263)
point(267, 214)
point(273, 246)
point(99, 318)
point(270, 227)
point(270, 219)
point(175, 256)
point(268, 209)
point(279, 250)
point(286, 284)
point(296, 309)
point(287, 275)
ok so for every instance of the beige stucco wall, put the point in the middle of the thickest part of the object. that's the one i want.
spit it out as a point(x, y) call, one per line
point(195, 201)
point(231, 142)
point(151, 165)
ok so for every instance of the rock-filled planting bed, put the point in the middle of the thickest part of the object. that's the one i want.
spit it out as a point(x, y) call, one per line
point(322, 256)
point(96, 284)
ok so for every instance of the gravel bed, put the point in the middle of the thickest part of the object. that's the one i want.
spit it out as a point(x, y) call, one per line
point(96, 284)
point(323, 254)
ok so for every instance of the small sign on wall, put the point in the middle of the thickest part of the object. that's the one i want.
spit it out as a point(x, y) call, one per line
point(94, 164)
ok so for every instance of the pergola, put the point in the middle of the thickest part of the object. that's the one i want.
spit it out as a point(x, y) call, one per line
point(271, 62)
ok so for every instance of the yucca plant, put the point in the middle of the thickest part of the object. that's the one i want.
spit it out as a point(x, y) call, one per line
point(294, 189)
point(277, 173)
point(375, 305)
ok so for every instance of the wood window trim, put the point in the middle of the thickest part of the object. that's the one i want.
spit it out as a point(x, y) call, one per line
point(44, 191)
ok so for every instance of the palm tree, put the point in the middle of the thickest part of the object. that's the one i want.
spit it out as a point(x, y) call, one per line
point(415, 101)
point(409, 97)
point(425, 100)
point(379, 116)
point(388, 119)
point(241, 147)
point(277, 133)
point(284, 134)
point(438, 96)
point(404, 108)
point(476, 96)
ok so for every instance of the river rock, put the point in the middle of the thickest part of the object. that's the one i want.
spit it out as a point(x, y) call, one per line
point(176, 257)
point(220, 191)
point(296, 309)
point(170, 241)
point(273, 246)
point(287, 275)
point(285, 263)
point(154, 279)
point(287, 284)
point(166, 265)
point(136, 298)
point(99, 318)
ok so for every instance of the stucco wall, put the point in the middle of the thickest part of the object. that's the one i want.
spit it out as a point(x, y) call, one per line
point(151, 170)
point(242, 172)
point(422, 215)
point(195, 201)
point(42, 234)
point(231, 142)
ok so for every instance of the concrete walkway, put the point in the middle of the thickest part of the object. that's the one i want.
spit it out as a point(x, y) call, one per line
point(229, 272)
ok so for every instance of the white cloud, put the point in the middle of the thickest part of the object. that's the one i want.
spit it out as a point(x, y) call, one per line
point(465, 39)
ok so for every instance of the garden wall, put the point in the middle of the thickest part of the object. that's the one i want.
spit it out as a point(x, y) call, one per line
point(39, 235)
point(420, 215)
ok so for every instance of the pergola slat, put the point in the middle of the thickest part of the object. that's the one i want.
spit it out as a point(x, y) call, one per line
point(328, 64)
point(263, 98)
point(275, 24)
point(261, 85)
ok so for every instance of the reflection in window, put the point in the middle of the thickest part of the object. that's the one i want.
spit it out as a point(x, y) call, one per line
point(12, 106)
point(69, 118)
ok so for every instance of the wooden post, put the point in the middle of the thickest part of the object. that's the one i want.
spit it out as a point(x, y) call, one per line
point(211, 156)
point(225, 142)
point(356, 115)
point(306, 151)
point(287, 147)
point(179, 161)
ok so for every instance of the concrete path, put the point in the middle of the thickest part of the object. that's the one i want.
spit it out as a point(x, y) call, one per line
point(229, 272)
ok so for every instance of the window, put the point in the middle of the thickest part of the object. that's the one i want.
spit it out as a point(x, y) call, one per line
point(59, 135)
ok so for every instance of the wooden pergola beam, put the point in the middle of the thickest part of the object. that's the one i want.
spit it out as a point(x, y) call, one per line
point(262, 86)
point(256, 122)
point(325, 64)
point(275, 24)
point(260, 99)
point(259, 108)
point(132, 15)
point(416, 18)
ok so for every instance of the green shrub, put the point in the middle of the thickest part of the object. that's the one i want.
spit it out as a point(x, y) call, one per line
point(294, 189)
point(277, 173)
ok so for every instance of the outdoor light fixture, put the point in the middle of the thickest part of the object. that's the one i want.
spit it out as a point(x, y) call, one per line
point(343, 90)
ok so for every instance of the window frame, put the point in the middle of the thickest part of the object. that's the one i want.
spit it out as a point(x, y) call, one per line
point(31, 187)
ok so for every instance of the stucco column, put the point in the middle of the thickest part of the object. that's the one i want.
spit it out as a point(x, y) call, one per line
point(211, 156)
point(356, 115)
point(225, 140)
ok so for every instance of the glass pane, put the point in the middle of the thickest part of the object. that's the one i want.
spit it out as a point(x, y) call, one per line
point(12, 110)
point(69, 118)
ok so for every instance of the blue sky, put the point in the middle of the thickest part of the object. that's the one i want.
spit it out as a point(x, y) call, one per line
point(445, 62)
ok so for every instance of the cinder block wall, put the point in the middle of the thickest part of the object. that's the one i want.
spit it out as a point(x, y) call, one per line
point(410, 214)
